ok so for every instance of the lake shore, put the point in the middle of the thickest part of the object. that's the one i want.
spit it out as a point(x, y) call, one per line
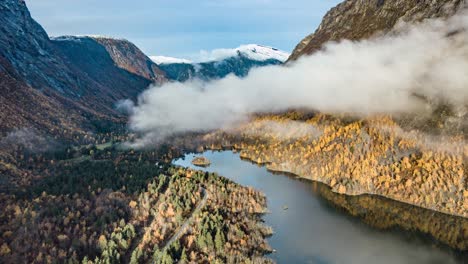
point(366, 212)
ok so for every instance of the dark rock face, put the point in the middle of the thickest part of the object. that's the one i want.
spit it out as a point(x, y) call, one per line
point(25, 44)
point(75, 82)
point(239, 65)
point(361, 19)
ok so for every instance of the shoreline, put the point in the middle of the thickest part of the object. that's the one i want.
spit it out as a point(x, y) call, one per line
point(419, 226)
point(269, 167)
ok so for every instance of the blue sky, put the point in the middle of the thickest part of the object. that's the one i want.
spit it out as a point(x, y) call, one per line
point(181, 28)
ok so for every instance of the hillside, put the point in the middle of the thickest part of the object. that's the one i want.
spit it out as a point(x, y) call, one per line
point(114, 63)
point(73, 191)
point(81, 80)
point(356, 20)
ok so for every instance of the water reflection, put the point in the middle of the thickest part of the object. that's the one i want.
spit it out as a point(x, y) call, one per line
point(312, 231)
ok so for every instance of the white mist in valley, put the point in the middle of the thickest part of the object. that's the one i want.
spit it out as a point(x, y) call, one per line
point(397, 73)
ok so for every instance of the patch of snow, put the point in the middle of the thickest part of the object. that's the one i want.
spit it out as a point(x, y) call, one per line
point(65, 38)
point(251, 51)
point(168, 60)
point(79, 37)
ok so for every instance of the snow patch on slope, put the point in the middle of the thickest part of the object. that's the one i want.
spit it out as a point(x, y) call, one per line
point(251, 51)
point(80, 37)
point(168, 60)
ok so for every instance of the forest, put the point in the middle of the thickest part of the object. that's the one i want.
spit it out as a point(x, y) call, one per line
point(101, 203)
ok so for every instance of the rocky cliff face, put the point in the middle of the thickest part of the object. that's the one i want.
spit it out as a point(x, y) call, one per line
point(25, 44)
point(129, 57)
point(74, 81)
point(360, 19)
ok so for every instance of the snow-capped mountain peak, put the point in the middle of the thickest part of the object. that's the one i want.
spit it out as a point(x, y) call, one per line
point(219, 63)
point(251, 51)
point(262, 53)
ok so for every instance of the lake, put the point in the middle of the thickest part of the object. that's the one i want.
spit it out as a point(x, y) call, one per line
point(311, 230)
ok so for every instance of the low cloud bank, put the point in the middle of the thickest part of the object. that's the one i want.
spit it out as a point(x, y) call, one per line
point(28, 139)
point(394, 74)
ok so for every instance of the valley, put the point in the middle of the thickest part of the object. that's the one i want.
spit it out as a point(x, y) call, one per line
point(351, 149)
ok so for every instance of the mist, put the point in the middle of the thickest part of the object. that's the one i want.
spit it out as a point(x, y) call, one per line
point(125, 106)
point(402, 72)
point(285, 130)
point(28, 139)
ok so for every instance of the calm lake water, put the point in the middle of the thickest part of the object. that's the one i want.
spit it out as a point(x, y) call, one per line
point(312, 231)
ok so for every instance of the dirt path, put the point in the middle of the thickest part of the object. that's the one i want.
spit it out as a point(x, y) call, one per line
point(181, 230)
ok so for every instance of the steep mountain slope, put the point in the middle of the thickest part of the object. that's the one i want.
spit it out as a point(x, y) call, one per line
point(111, 62)
point(360, 19)
point(129, 57)
point(27, 59)
point(79, 79)
point(25, 44)
point(22, 106)
point(237, 61)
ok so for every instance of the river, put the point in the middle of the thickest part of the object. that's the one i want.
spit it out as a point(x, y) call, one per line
point(309, 230)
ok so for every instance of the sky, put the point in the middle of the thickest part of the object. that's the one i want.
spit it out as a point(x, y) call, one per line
point(183, 28)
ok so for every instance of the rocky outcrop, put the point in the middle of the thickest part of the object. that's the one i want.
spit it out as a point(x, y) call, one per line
point(361, 19)
point(129, 57)
point(25, 44)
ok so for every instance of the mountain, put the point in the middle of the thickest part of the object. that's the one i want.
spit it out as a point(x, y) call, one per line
point(65, 83)
point(355, 20)
point(115, 63)
point(222, 62)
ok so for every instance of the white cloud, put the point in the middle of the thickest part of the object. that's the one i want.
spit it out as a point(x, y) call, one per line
point(372, 76)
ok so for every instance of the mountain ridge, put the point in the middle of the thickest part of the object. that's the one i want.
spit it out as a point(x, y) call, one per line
point(222, 62)
point(357, 20)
